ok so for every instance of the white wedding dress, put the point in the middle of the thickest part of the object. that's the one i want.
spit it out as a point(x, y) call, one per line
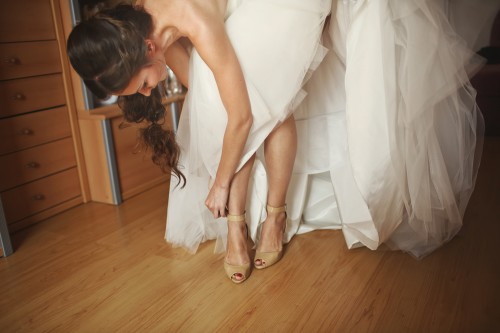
point(388, 129)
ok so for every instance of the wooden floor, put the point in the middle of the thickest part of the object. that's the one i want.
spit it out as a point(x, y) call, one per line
point(101, 268)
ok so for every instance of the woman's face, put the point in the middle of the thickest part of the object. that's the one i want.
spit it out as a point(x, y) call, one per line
point(149, 76)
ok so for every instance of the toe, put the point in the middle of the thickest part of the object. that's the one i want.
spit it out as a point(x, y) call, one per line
point(238, 277)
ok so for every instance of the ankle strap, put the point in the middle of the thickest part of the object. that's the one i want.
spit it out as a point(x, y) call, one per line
point(236, 218)
point(271, 209)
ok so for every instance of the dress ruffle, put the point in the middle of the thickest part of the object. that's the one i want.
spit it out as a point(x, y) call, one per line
point(413, 130)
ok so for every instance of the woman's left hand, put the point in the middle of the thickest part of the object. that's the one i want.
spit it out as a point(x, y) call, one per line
point(216, 200)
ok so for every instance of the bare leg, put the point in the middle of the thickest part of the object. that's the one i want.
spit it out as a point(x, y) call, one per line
point(237, 251)
point(280, 149)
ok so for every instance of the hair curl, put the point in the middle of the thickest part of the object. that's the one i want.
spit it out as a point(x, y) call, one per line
point(138, 108)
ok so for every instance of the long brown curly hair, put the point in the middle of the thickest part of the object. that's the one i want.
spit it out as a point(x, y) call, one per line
point(107, 50)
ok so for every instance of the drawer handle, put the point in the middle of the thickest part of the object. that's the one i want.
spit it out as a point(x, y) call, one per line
point(12, 61)
point(32, 165)
point(26, 131)
point(38, 197)
point(19, 97)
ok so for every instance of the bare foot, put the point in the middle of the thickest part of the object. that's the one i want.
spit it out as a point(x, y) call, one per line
point(271, 235)
point(237, 250)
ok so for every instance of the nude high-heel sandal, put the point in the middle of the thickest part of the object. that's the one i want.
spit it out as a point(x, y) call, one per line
point(233, 270)
point(268, 259)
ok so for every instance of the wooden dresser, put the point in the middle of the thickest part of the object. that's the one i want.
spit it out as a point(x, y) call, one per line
point(38, 165)
point(54, 152)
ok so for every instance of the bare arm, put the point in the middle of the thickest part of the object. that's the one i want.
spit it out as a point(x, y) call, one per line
point(177, 59)
point(213, 45)
point(202, 22)
point(216, 50)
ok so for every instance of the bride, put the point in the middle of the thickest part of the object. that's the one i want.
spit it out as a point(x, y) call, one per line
point(368, 101)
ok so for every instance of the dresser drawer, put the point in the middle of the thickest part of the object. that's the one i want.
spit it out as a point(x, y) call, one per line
point(45, 193)
point(34, 163)
point(31, 94)
point(26, 20)
point(29, 59)
point(33, 129)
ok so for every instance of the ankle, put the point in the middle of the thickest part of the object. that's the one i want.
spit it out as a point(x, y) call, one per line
point(276, 213)
point(239, 228)
point(236, 217)
point(275, 209)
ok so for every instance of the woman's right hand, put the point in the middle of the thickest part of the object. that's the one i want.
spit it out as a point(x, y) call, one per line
point(217, 199)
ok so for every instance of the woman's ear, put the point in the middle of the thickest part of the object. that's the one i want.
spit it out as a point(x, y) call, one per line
point(151, 46)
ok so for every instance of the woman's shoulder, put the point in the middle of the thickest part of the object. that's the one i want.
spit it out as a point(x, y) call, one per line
point(201, 15)
point(212, 7)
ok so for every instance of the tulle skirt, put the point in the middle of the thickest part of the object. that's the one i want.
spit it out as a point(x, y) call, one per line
point(388, 129)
